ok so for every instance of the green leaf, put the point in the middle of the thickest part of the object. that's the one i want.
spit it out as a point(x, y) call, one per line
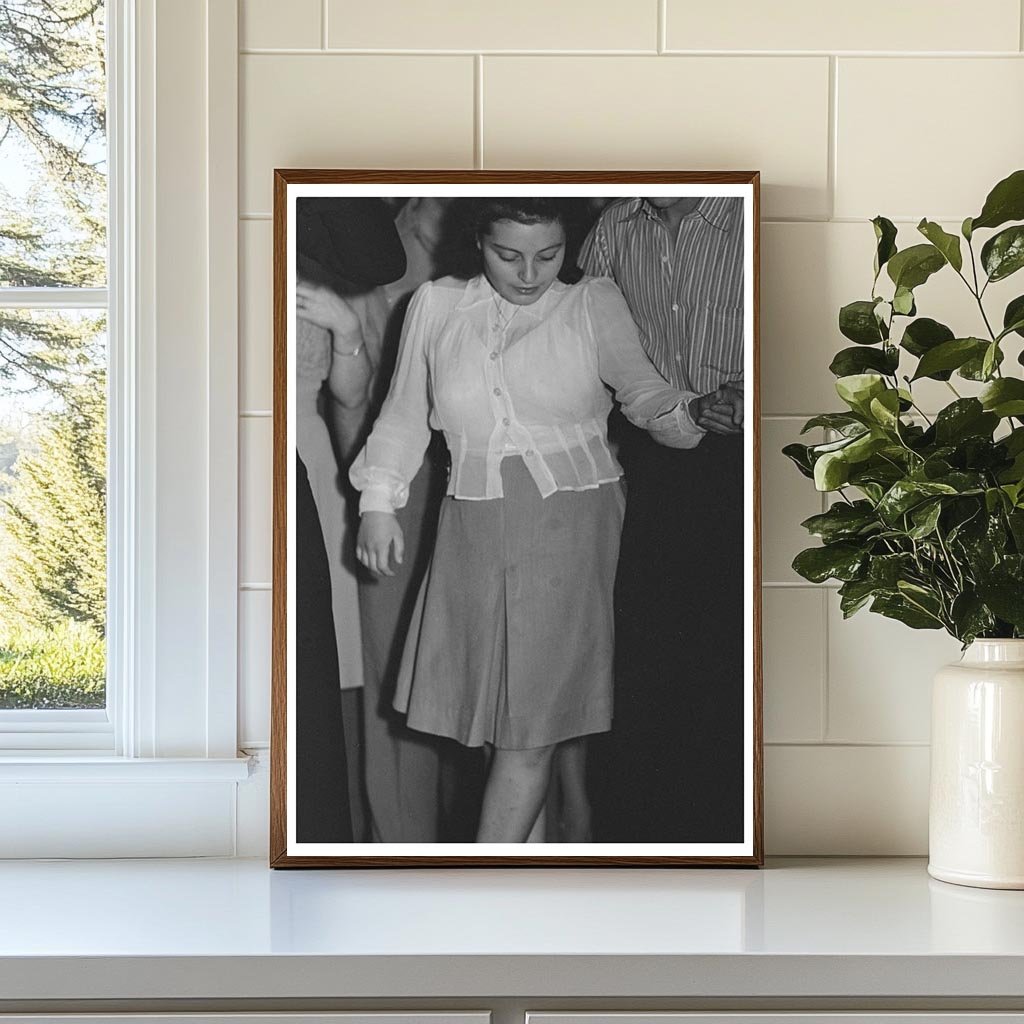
point(974, 368)
point(857, 321)
point(863, 448)
point(1013, 318)
point(906, 494)
point(1003, 254)
point(1015, 519)
point(925, 334)
point(903, 302)
point(885, 236)
point(1004, 397)
point(947, 244)
point(950, 355)
point(841, 421)
point(799, 455)
point(1005, 202)
point(849, 361)
point(965, 229)
point(971, 617)
point(855, 594)
point(885, 409)
point(1006, 599)
point(858, 389)
point(925, 518)
point(964, 418)
point(842, 521)
point(831, 471)
point(912, 267)
point(887, 570)
point(840, 561)
point(991, 360)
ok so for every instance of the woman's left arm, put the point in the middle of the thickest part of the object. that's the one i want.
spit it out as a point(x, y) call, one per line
point(647, 399)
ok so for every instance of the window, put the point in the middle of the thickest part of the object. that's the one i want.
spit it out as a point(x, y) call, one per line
point(156, 770)
point(53, 370)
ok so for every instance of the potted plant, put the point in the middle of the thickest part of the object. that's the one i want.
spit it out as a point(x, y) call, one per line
point(927, 521)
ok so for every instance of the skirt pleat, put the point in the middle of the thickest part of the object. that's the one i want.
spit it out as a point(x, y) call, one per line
point(512, 638)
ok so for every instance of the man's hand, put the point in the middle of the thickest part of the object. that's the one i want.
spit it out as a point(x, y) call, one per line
point(721, 411)
point(379, 532)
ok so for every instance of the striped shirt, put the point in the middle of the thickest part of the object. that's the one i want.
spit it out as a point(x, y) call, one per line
point(685, 294)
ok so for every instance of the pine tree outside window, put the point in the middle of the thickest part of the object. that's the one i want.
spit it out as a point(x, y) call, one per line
point(53, 366)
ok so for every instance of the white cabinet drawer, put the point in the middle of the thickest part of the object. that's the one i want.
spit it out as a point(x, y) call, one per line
point(934, 1017)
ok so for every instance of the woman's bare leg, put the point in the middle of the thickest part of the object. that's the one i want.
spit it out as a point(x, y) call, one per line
point(574, 806)
point(516, 788)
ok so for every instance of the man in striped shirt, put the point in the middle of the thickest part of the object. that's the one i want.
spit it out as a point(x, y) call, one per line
point(672, 768)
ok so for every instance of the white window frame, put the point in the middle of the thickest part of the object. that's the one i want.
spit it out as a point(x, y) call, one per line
point(163, 760)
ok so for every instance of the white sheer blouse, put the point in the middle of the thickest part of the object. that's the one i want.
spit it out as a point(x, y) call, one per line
point(506, 380)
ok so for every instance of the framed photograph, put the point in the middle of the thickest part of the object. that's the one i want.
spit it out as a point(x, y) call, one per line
point(516, 587)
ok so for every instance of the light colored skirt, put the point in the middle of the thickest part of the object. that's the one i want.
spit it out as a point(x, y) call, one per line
point(511, 641)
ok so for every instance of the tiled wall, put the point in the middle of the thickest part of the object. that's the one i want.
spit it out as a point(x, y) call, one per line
point(908, 109)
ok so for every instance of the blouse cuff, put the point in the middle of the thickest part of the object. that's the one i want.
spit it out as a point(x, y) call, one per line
point(675, 428)
point(377, 499)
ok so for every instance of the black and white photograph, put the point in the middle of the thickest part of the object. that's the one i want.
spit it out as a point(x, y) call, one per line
point(516, 568)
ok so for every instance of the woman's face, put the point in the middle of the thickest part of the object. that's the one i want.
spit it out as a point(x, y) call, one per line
point(522, 260)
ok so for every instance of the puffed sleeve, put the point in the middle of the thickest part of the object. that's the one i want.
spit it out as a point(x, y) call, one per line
point(647, 399)
point(393, 452)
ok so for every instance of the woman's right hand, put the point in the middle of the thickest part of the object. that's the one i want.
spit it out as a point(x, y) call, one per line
point(379, 532)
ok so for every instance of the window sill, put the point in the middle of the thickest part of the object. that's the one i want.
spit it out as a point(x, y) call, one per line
point(74, 766)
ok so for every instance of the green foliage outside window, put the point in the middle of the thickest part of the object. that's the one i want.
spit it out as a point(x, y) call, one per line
point(52, 365)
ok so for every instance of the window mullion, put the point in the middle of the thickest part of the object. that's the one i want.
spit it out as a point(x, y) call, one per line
point(53, 298)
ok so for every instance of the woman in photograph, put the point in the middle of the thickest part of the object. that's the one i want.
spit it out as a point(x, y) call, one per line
point(512, 639)
point(342, 246)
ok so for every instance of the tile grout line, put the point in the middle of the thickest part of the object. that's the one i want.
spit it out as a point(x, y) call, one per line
point(1020, 23)
point(831, 171)
point(353, 51)
point(323, 24)
point(854, 744)
point(825, 724)
point(663, 26)
point(478, 111)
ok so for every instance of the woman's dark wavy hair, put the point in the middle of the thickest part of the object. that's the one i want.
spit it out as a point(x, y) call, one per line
point(469, 219)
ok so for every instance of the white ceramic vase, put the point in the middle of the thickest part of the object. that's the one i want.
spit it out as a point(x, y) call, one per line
point(976, 812)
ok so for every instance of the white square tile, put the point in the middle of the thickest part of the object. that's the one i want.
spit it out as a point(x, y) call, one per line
point(793, 635)
point(787, 499)
point(471, 25)
point(846, 801)
point(255, 318)
point(351, 111)
point(868, 25)
point(255, 526)
point(269, 24)
point(879, 677)
point(254, 639)
point(655, 112)
point(964, 132)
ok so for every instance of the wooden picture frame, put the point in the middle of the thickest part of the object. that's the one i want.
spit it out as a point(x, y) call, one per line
point(736, 836)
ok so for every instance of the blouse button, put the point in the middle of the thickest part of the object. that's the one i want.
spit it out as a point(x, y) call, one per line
point(675, 307)
point(497, 391)
point(506, 421)
point(494, 355)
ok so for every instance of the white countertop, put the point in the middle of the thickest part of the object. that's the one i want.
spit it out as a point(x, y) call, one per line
point(234, 929)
